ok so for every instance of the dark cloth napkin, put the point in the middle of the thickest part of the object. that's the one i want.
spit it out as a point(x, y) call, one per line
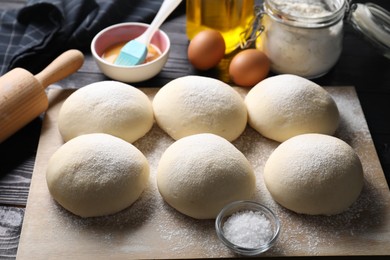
point(37, 33)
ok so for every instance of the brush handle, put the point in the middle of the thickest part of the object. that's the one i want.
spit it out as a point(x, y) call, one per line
point(64, 65)
point(166, 9)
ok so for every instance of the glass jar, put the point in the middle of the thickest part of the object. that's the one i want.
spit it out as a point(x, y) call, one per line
point(373, 23)
point(229, 17)
point(304, 37)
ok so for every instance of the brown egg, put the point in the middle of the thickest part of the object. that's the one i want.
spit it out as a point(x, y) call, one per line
point(249, 67)
point(206, 49)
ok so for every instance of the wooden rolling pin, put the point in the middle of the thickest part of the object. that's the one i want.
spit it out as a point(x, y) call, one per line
point(23, 96)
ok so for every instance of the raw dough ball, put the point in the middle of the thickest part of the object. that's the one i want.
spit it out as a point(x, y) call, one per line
point(199, 174)
point(97, 174)
point(109, 107)
point(194, 104)
point(314, 174)
point(286, 105)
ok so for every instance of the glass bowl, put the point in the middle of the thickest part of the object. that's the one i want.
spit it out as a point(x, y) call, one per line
point(247, 227)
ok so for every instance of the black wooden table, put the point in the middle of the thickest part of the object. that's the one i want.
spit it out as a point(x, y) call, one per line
point(360, 65)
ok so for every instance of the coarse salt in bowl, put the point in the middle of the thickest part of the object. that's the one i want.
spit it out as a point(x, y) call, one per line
point(247, 227)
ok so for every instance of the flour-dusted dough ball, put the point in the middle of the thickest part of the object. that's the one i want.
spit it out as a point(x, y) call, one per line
point(109, 107)
point(97, 174)
point(194, 104)
point(286, 105)
point(314, 174)
point(199, 174)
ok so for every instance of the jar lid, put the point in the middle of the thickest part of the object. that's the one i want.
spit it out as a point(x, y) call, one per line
point(373, 22)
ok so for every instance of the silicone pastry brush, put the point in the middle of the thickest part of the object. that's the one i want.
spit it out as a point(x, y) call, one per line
point(134, 52)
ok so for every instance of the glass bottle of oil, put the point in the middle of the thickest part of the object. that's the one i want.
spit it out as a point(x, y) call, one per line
point(229, 17)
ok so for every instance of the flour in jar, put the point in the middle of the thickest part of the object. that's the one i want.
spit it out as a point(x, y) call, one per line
point(310, 8)
point(299, 37)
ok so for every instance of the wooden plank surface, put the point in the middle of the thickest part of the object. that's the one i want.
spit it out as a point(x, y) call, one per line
point(11, 219)
point(151, 229)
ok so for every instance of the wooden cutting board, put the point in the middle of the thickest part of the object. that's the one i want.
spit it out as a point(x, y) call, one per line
point(152, 229)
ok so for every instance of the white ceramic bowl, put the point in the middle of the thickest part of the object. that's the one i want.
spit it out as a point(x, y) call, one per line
point(125, 32)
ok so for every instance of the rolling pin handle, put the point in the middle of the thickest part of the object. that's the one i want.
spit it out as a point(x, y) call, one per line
point(64, 65)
